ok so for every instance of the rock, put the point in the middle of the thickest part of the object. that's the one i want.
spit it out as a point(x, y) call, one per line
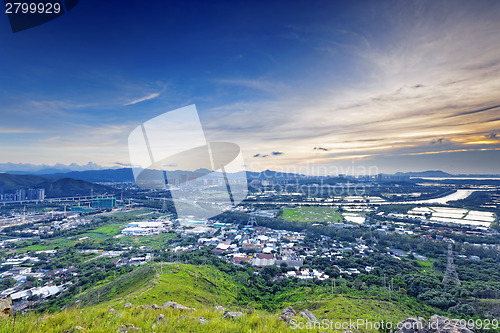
point(411, 325)
point(127, 305)
point(45, 318)
point(310, 317)
point(127, 328)
point(232, 315)
point(112, 311)
point(219, 308)
point(155, 306)
point(5, 306)
point(176, 306)
point(203, 320)
point(144, 307)
point(287, 314)
point(160, 317)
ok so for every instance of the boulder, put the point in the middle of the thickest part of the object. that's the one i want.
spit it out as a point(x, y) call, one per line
point(5, 306)
point(176, 306)
point(310, 317)
point(144, 307)
point(232, 315)
point(160, 317)
point(219, 308)
point(203, 320)
point(127, 305)
point(111, 311)
point(411, 325)
point(287, 314)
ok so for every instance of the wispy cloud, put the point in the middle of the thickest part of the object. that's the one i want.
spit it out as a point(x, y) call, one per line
point(142, 99)
point(436, 81)
point(19, 130)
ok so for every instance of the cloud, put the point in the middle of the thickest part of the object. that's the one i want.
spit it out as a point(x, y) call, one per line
point(264, 85)
point(478, 111)
point(491, 136)
point(264, 155)
point(142, 99)
point(19, 130)
point(437, 78)
point(439, 141)
point(275, 153)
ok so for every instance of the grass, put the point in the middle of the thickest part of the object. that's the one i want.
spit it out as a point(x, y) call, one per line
point(349, 305)
point(202, 287)
point(311, 214)
point(98, 320)
point(424, 263)
point(154, 283)
point(104, 232)
point(158, 242)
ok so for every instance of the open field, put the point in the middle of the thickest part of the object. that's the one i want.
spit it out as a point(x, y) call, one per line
point(311, 214)
point(454, 215)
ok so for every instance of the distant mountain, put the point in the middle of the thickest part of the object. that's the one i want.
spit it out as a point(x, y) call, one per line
point(106, 175)
point(42, 169)
point(429, 173)
point(53, 187)
point(68, 187)
point(10, 183)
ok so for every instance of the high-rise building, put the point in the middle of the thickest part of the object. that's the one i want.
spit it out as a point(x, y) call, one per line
point(36, 194)
point(104, 203)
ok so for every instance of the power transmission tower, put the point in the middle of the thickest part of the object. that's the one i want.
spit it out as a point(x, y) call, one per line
point(164, 207)
point(252, 221)
point(451, 275)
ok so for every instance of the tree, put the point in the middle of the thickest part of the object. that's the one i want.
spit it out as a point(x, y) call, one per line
point(7, 283)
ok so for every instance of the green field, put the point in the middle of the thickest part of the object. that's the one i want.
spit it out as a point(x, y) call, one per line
point(312, 214)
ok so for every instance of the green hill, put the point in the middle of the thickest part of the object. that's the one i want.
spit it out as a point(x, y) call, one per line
point(202, 288)
point(10, 183)
point(53, 186)
point(67, 187)
point(186, 284)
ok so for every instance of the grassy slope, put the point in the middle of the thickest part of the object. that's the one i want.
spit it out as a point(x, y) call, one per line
point(203, 288)
point(186, 284)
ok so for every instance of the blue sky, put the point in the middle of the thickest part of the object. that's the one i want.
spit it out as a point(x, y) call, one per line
point(386, 85)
